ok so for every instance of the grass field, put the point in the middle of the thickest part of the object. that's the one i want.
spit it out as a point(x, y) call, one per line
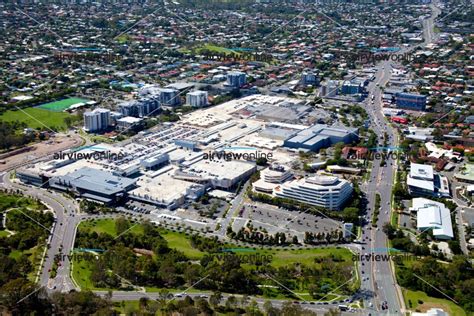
point(81, 273)
point(217, 49)
point(430, 302)
point(304, 256)
point(36, 118)
point(61, 105)
point(106, 226)
point(8, 201)
point(127, 307)
point(180, 242)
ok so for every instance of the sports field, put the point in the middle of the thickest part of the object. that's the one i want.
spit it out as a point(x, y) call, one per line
point(36, 118)
point(61, 105)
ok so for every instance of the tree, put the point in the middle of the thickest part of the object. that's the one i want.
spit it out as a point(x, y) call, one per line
point(350, 214)
point(215, 298)
point(143, 303)
point(244, 300)
point(68, 122)
point(15, 291)
point(252, 309)
point(261, 161)
point(121, 225)
point(389, 230)
point(231, 302)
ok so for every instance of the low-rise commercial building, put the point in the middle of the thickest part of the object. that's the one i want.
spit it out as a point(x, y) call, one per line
point(94, 184)
point(322, 191)
point(217, 174)
point(432, 215)
point(347, 233)
point(165, 191)
point(127, 122)
point(423, 181)
point(466, 174)
point(411, 101)
point(271, 178)
point(321, 136)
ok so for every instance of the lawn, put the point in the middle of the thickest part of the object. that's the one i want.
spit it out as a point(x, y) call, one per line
point(217, 49)
point(36, 118)
point(305, 256)
point(122, 39)
point(106, 226)
point(175, 240)
point(81, 273)
point(16, 254)
point(181, 242)
point(61, 105)
point(430, 302)
point(8, 201)
point(127, 307)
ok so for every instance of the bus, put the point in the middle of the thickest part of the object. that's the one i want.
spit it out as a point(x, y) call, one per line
point(343, 308)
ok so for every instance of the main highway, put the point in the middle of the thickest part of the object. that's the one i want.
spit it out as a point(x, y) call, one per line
point(378, 282)
point(379, 285)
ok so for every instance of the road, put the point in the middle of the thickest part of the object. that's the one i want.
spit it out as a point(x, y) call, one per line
point(135, 296)
point(236, 203)
point(379, 283)
point(62, 234)
point(429, 34)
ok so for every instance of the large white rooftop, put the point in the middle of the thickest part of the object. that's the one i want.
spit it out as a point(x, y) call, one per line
point(422, 172)
point(433, 215)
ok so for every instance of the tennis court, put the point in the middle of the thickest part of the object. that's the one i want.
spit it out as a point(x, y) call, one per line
point(61, 105)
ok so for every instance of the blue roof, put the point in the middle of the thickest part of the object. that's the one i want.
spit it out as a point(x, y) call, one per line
point(99, 181)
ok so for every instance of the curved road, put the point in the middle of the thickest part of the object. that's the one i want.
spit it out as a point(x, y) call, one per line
point(62, 233)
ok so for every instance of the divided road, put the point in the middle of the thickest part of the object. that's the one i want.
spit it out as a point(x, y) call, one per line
point(378, 283)
point(62, 235)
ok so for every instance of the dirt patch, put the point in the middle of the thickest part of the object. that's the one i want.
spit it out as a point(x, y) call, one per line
point(427, 306)
point(45, 148)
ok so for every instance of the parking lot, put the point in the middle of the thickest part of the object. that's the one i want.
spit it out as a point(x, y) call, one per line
point(274, 219)
point(213, 209)
point(179, 217)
